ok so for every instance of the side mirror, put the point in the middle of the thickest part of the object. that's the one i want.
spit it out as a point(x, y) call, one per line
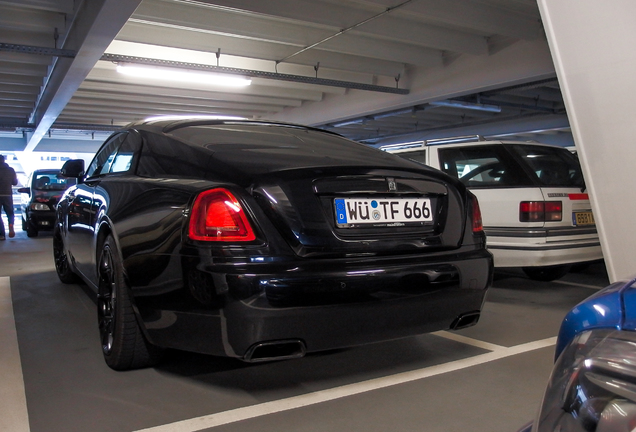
point(73, 168)
point(26, 190)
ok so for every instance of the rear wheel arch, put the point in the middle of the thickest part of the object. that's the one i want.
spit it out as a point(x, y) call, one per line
point(63, 266)
point(124, 343)
point(103, 233)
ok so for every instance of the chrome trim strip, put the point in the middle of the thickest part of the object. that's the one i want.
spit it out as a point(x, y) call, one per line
point(546, 247)
point(539, 232)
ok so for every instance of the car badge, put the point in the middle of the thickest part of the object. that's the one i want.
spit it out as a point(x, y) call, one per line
point(392, 184)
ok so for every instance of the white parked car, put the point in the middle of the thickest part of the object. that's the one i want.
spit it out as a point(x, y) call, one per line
point(535, 208)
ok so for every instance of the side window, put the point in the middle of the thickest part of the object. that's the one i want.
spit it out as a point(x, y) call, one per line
point(480, 170)
point(122, 162)
point(107, 164)
point(479, 166)
point(105, 156)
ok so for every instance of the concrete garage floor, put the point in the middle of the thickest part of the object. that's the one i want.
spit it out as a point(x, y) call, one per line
point(486, 378)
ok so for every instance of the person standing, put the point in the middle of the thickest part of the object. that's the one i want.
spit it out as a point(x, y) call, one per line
point(7, 179)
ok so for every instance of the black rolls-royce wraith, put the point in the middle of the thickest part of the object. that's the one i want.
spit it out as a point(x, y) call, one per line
point(264, 241)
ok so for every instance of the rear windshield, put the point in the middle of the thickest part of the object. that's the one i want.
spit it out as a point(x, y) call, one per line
point(245, 149)
point(551, 166)
point(514, 165)
point(50, 181)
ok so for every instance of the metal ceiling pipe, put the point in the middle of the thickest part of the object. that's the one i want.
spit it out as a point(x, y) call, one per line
point(29, 49)
point(117, 58)
point(345, 30)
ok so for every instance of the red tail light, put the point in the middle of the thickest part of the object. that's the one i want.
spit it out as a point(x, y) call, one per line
point(478, 225)
point(553, 211)
point(218, 216)
point(540, 211)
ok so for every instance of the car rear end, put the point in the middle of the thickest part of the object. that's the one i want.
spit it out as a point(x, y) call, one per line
point(336, 245)
point(536, 210)
point(563, 213)
point(567, 227)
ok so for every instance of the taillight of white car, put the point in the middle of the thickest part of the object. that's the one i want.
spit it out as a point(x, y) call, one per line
point(540, 211)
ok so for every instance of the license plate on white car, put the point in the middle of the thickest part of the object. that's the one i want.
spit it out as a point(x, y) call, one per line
point(383, 211)
point(583, 218)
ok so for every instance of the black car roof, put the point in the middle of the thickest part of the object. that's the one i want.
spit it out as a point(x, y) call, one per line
point(169, 124)
point(242, 150)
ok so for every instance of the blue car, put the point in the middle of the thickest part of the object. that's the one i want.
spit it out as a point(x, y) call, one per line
point(593, 384)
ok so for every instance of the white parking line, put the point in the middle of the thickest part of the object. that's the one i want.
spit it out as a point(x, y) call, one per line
point(13, 406)
point(253, 411)
point(577, 284)
point(468, 341)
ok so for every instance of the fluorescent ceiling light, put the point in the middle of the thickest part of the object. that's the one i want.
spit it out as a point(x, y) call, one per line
point(183, 75)
point(192, 117)
point(348, 122)
point(466, 105)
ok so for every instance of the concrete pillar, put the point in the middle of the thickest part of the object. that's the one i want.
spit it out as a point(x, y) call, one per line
point(592, 44)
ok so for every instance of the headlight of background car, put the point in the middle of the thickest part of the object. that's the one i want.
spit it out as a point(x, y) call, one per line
point(40, 207)
point(593, 385)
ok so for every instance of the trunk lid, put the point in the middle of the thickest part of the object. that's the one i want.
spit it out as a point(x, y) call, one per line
point(576, 210)
point(304, 206)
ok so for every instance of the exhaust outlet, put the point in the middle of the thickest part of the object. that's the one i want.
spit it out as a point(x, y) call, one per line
point(465, 320)
point(275, 350)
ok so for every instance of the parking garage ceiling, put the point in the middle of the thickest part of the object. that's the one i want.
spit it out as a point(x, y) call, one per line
point(373, 70)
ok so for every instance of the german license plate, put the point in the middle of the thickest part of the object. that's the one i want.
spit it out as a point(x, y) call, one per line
point(583, 218)
point(384, 211)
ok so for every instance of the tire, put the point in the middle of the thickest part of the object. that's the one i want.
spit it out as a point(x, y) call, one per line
point(580, 267)
point(123, 344)
point(31, 231)
point(547, 273)
point(62, 265)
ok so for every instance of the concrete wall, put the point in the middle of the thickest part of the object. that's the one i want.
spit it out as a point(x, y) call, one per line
point(592, 44)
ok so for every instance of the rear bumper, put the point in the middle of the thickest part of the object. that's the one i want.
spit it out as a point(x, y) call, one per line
point(322, 305)
point(522, 247)
point(42, 220)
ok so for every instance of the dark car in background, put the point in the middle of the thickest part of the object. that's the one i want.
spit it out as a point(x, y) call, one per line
point(592, 387)
point(263, 241)
point(45, 187)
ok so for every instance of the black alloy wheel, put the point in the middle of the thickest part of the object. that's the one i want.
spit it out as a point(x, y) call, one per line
point(62, 266)
point(123, 343)
point(106, 302)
